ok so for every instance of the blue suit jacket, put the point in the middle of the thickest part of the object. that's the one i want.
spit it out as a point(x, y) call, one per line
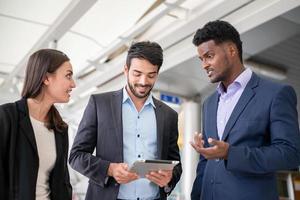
point(263, 134)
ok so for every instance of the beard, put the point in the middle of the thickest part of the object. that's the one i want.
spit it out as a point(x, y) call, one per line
point(133, 90)
point(224, 74)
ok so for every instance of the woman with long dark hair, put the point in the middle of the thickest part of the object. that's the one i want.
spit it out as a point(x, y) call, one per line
point(33, 136)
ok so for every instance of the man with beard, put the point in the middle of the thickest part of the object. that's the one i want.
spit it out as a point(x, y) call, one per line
point(250, 124)
point(125, 126)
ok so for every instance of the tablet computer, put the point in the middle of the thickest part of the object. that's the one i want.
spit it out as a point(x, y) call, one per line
point(143, 167)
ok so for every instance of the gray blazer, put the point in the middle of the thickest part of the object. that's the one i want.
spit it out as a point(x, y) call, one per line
point(101, 128)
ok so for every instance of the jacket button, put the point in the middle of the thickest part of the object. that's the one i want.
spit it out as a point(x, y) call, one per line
point(212, 181)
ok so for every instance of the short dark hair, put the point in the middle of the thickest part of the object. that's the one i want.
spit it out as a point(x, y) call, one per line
point(150, 51)
point(219, 31)
point(39, 64)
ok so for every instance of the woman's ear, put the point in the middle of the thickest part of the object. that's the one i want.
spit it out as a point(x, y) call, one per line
point(46, 80)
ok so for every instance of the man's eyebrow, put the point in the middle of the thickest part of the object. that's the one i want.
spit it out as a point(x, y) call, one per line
point(137, 71)
point(154, 72)
point(70, 71)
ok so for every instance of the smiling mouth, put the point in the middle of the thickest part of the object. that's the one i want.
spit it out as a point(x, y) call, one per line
point(142, 89)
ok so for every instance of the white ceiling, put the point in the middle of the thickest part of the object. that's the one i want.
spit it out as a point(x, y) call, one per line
point(24, 22)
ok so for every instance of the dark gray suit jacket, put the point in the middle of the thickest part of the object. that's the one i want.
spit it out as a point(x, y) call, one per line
point(101, 128)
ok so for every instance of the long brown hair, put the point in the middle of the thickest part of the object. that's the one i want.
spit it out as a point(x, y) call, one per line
point(39, 64)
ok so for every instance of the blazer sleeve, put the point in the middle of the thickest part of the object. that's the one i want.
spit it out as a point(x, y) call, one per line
point(283, 153)
point(81, 156)
point(3, 159)
point(174, 153)
point(8, 118)
point(197, 185)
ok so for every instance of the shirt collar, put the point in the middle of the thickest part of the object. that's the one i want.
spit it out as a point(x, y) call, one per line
point(241, 81)
point(148, 101)
point(244, 77)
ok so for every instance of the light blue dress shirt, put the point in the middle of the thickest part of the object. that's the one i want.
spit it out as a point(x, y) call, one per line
point(229, 99)
point(139, 142)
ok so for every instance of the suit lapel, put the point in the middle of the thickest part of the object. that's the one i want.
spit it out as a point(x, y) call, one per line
point(25, 123)
point(245, 98)
point(159, 114)
point(212, 116)
point(59, 144)
point(116, 107)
